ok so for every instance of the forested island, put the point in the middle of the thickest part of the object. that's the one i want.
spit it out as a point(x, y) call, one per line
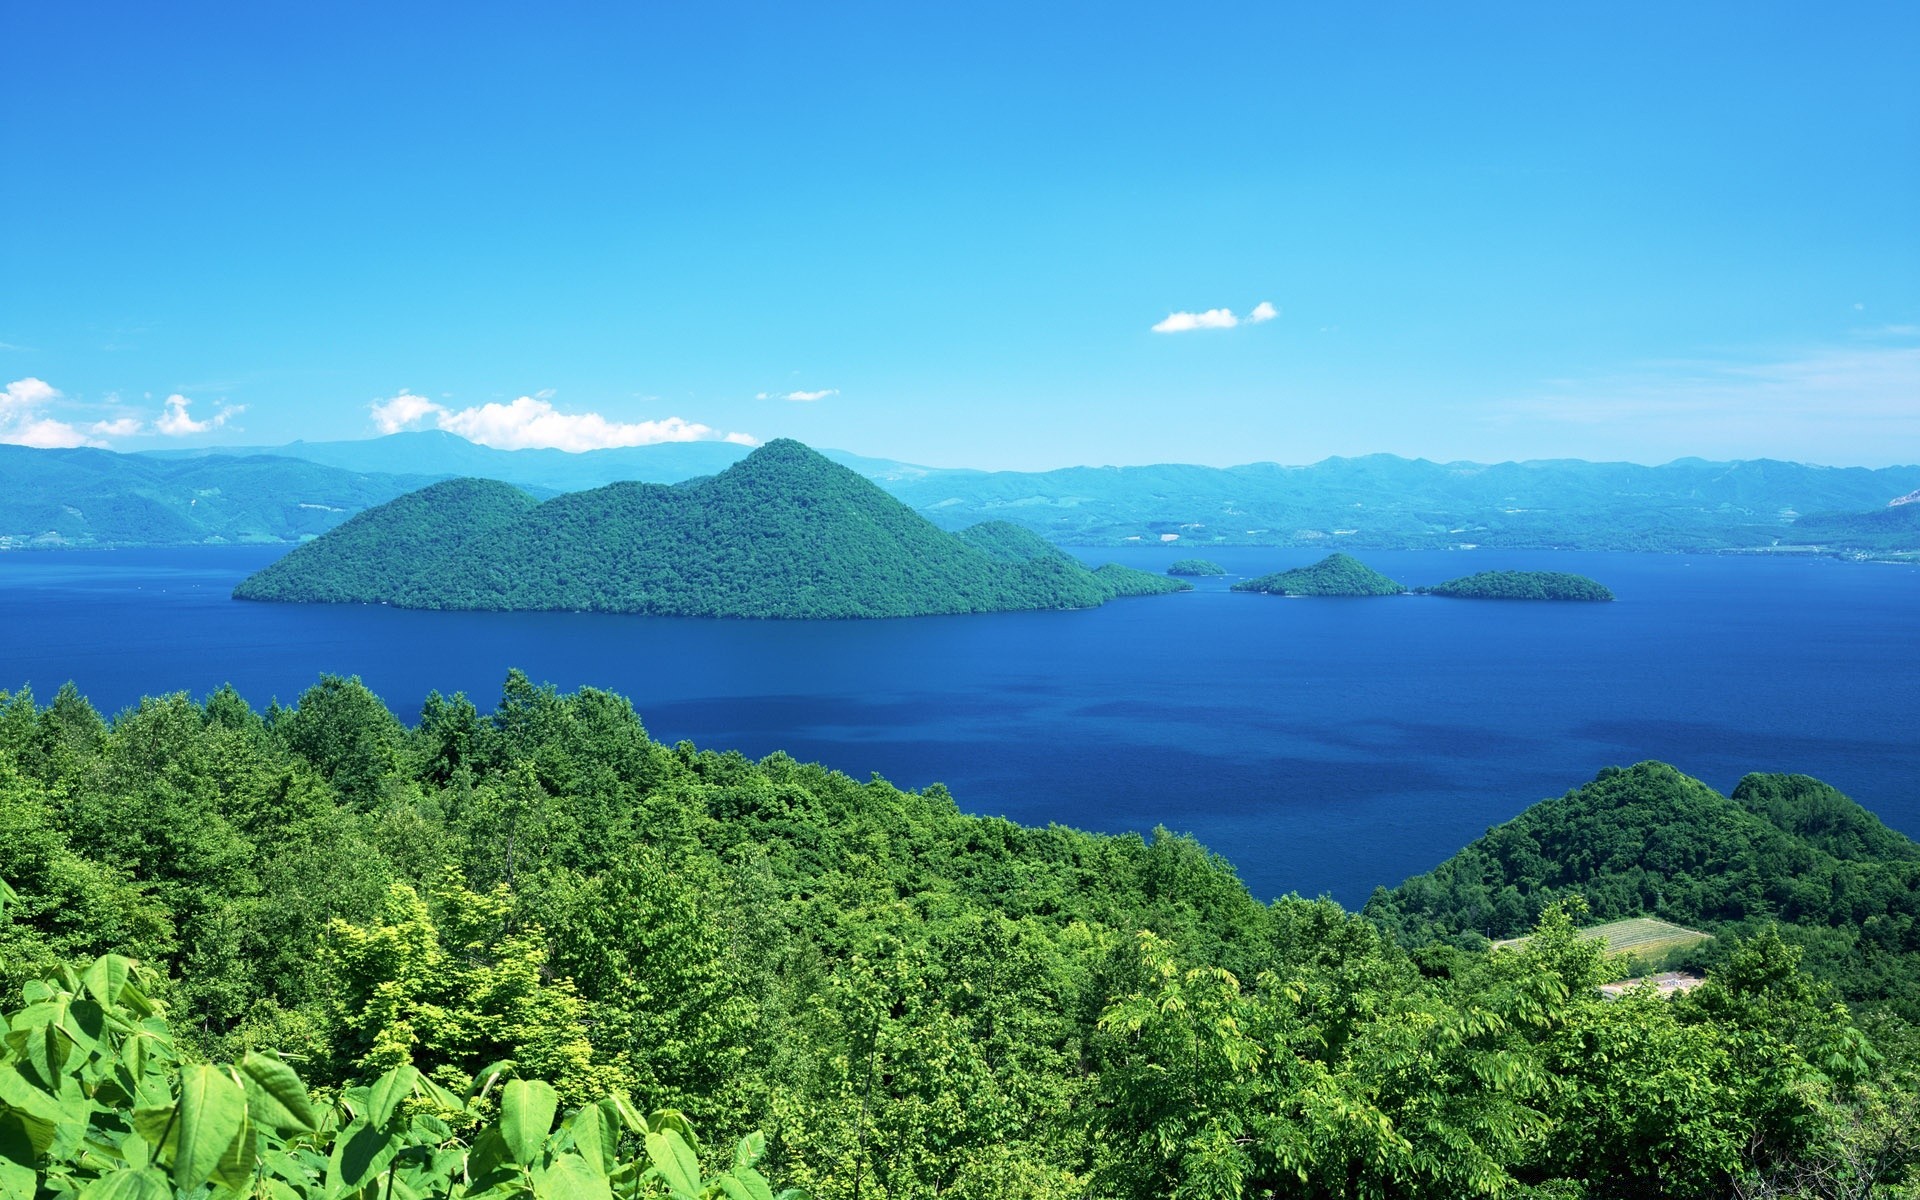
point(1195, 568)
point(1520, 585)
point(463, 930)
point(1334, 575)
point(784, 533)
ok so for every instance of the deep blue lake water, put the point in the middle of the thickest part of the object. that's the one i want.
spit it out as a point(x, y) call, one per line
point(1321, 745)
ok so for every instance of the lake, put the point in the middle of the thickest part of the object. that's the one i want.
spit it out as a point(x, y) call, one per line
point(1321, 745)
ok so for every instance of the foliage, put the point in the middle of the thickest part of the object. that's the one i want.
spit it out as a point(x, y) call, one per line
point(910, 1002)
point(1520, 585)
point(783, 533)
point(1334, 575)
point(97, 1100)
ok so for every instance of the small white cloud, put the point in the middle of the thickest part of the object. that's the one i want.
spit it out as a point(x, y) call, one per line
point(176, 421)
point(532, 423)
point(404, 411)
point(803, 397)
point(1214, 318)
point(22, 425)
point(1186, 322)
point(118, 427)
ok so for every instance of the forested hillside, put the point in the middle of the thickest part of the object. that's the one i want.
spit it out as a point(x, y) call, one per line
point(1521, 585)
point(783, 533)
point(1783, 851)
point(908, 1001)
point(1334, 575)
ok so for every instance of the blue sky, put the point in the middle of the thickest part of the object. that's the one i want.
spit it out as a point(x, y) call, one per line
point(1486, 231)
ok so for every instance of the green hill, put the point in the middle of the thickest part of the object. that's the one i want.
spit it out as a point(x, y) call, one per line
point(1196, 567)
point(783, 533)
point(1334, 575)
point(1650, 841)
point(1520, 585)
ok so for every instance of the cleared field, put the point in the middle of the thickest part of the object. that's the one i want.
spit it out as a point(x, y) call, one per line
point(1642, 937)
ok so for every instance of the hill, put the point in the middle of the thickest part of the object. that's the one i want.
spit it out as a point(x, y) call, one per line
point(86, 497)
point(1650, 841)
point(1520, 585)
point(1334, 575)
point(1893, 528)
point(782, 533)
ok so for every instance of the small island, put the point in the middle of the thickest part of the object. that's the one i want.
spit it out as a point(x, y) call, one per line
point(1195, 568)
point(1520, 585)
point(1334, 575)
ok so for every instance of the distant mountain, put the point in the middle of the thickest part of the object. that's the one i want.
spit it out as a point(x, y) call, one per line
point(99, 498)
point(1334, 575)
point(1375, 502)
point(438, 453)
point(782, 533)
point(1650, 841)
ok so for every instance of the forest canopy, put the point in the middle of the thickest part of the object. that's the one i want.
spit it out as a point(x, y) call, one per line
point(901, 999)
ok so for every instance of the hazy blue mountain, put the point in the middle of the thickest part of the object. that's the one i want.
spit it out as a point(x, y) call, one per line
point(99, 498)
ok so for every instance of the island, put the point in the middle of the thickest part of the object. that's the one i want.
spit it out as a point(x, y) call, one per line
point(1520, 585)
point(1334, 575)
point(784, 533)
point(1196, 567)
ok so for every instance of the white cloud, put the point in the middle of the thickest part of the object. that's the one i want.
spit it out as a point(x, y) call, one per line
point(804, 397)
point(1214, 318)
point(21, 423)
point(176, 421)
point(1185, 322)
point(402, 412)
point(118, 427)
point(533, 423)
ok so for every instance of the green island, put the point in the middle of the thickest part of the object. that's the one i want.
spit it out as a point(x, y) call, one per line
point(784, 533)
point(1520, 585)
point(1335, 575)
point(317, 952)
point(1195, 568)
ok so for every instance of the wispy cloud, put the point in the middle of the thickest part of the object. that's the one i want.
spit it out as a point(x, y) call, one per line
point(1215, 318)
point(118, 427)
point(22, 422)
point(176, 421)
point(803, 397)
point(1834, 403)
point(533, 423)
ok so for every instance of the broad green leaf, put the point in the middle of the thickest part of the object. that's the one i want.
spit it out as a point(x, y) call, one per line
point(488, 1154)
point(361, 1152)
point(16, 1181)
point(126, 1184)
point(236, 1164)
point(746, 1184)
point(213, 1109)
point(749, 1150)
point(384, 1097)
point(17, 1092)
point(526, 1114)
point(158, 1126)
point(275, 1096)
point(593, 1138)
point(628, 1114)
point(107, 977)
point(675, 1161)
point(571, 1178)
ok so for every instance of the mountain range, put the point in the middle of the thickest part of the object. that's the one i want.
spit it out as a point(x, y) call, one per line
point(84, 497)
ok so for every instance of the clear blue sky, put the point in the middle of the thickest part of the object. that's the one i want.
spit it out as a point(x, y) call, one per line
point(1488, 231)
